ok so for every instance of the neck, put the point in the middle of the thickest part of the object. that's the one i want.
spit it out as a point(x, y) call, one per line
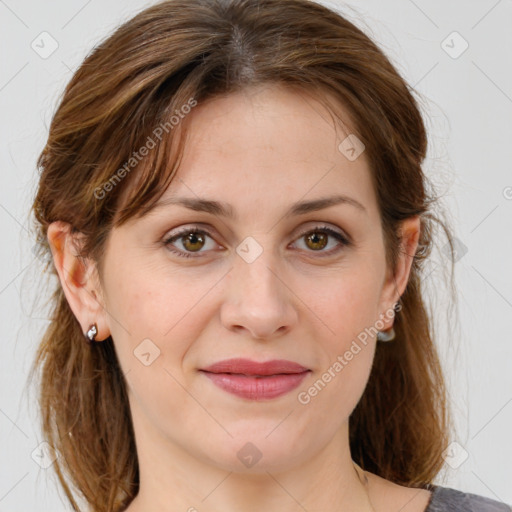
point(171, 478)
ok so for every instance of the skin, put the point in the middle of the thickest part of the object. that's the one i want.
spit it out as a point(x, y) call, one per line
point(260, 151)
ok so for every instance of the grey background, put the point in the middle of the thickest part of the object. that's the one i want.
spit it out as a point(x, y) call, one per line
point(467, 99)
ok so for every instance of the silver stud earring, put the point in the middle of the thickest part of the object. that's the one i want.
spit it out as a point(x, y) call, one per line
point(388, 335)
point(91, 333)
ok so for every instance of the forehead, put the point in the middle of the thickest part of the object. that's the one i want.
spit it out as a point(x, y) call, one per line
point(268, 143)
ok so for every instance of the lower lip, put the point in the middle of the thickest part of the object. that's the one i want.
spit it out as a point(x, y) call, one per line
point(257, 388)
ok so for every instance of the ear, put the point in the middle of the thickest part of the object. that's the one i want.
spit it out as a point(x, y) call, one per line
point(79, 279)
point(396, 281)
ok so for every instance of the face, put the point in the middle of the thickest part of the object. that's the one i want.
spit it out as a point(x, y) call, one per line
point(186, 287)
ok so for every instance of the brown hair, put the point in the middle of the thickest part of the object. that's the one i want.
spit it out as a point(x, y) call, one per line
point(135, 81)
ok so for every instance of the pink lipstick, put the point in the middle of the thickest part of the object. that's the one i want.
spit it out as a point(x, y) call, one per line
point(256, 381)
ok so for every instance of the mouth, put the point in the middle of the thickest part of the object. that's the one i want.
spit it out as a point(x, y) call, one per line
point(254, 380)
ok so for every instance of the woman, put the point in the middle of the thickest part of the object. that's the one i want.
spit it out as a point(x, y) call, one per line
point(233, 197)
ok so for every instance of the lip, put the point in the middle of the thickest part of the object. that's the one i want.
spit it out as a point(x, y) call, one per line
point(255, 368)
point(255, 380)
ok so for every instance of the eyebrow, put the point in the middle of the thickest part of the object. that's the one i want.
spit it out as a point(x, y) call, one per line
point(226, 210)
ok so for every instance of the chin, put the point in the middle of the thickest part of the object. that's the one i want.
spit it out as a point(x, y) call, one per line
point(254, 451)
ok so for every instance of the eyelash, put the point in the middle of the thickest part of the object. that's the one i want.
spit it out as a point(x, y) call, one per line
point(338, 236)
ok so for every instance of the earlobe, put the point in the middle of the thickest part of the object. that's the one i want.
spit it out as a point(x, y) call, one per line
point(78, 279)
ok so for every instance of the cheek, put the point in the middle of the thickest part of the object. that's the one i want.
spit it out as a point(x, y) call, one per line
point(340, 380)
point(153, 304)
point(346, 309)
point(157, 319)
point(346, 304)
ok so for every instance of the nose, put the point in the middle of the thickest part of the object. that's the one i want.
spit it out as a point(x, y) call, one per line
point(258, 299)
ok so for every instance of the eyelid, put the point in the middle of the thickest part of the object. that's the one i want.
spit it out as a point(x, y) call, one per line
point(191, 228)
point(324, 226)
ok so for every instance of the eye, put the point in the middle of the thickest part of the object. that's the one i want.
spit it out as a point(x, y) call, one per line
point(317, 239)
point(192, 240)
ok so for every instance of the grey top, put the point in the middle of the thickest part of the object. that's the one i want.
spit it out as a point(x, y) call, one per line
point(446, 499)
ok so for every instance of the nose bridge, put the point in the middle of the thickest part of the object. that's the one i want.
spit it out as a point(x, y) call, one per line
point(254, 271)
point(257, 298)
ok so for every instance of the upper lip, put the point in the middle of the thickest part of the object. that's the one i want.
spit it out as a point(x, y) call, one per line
point(249, 367)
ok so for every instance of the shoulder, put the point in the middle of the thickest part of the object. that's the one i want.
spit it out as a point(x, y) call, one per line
point(446, 499)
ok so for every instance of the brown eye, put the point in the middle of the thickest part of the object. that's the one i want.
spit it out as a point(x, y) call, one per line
point(193, 241)
point(317, 239)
